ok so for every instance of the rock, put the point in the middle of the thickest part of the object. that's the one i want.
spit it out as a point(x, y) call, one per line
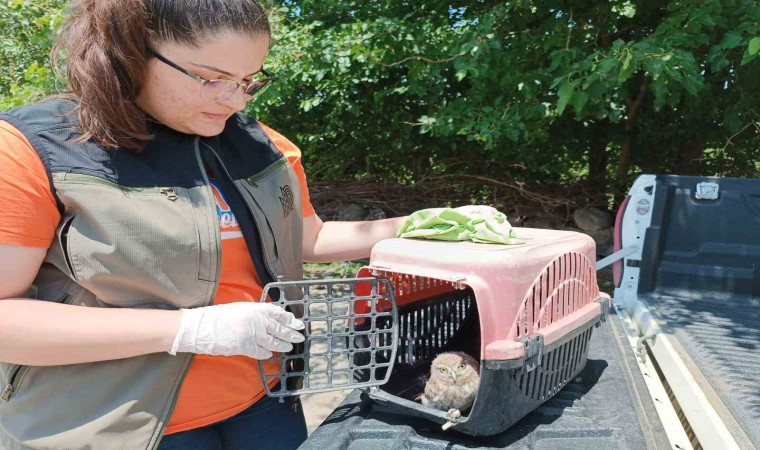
point(352, 212)
point(528, 211)
point(603, 239)
point(545, 222)
point(530, 217)
point(376, 214)
point(591, 218)
point(355, 211)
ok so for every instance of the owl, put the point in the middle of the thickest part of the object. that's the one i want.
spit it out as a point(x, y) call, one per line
point(453, 383)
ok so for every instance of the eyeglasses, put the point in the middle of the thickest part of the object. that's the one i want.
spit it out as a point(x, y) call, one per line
point(222, 89)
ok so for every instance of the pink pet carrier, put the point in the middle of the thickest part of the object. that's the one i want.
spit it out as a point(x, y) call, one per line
point(525, 311)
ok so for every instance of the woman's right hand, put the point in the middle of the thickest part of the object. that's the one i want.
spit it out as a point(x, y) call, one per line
point(243, 328)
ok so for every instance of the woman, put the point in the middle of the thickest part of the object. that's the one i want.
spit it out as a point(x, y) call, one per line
point(139, 219)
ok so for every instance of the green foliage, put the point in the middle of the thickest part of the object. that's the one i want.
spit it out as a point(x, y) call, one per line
point(25, 42)
point(343, 269)
point(522, 89)
point(545, 91)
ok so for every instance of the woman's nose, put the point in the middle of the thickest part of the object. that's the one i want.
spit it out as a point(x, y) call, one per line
point(237, 100)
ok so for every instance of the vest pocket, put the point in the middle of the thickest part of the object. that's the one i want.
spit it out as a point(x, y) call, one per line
point(15, 372)
point(136, 246)
point(64, 240)
point(15, 376)
point(267, 233)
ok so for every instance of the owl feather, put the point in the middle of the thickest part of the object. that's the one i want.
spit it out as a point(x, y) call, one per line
point(453, 383)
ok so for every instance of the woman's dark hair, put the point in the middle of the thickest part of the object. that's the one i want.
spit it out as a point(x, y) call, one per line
point(103, 45)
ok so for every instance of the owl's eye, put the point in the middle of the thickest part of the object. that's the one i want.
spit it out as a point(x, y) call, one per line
point(462, 366)
point(442, 370)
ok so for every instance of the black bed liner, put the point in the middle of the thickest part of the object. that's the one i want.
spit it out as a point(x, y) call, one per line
point(700, 278)
point(605, 407)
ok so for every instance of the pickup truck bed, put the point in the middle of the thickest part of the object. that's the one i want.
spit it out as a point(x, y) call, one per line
point(699, 277)
point(720, 338)
point(606, 407)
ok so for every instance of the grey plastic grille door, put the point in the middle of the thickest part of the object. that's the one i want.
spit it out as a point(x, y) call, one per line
point(351, 335)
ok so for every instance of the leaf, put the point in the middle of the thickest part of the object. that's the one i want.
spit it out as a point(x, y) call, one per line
point(754, 46)
point(746, 57)
point(627, 9)
point(732, 120)
point(565, 94)
point(597, 89)
point(607, 65)
point(660, 95)
point(626, 61)
point(732, 39)
point(654, 67)
point(692, 84)
point(579, 102)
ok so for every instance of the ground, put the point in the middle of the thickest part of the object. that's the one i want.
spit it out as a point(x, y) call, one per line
point(318, 406)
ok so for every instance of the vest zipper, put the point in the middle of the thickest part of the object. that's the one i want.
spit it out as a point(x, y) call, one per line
point(218, 237)
point(15, 374)
point(169, 193)
point(7, 392)
point(11, 387)
point(217, 225)
point(274, 167)
point(89, 179)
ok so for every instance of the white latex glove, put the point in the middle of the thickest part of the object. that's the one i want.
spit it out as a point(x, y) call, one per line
point(244, 328)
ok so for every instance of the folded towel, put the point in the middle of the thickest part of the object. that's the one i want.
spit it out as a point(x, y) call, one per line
point(475, 223)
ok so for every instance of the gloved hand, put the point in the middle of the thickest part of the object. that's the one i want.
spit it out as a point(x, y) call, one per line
point(244, 328)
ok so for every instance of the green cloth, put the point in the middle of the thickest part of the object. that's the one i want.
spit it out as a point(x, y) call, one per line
point(481, 224)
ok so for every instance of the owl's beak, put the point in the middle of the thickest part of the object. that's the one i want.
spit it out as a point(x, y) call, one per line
point(454, 376)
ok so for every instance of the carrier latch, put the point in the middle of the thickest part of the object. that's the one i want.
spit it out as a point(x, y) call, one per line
point(604, 304)
point(534, 352)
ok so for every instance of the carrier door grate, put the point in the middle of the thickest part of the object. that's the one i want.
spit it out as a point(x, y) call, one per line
point(351, 327)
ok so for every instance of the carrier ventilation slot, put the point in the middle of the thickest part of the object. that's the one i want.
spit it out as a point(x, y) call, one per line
point(557, 366)
point(564, 286)
point(411, 288)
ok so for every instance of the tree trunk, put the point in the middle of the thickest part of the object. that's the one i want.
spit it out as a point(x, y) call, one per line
point(633, 105)
point(690, 156)
point(598, 157)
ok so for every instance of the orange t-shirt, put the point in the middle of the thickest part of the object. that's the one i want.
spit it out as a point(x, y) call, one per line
point(216, 387)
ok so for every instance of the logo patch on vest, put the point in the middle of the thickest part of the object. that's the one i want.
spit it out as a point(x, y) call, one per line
point(287, 200)
point(227, 223)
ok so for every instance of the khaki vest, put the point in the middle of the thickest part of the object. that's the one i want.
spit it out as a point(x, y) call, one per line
point(140, 230)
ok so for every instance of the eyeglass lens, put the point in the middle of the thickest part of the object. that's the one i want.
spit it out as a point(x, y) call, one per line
point(223, 89)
